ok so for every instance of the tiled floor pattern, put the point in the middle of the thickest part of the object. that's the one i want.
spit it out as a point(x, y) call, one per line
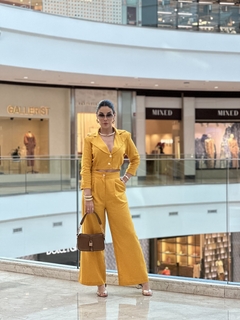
point(28, 297)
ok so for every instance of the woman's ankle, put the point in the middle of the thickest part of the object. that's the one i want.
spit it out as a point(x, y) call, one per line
point(145, 286)
point(101, 287)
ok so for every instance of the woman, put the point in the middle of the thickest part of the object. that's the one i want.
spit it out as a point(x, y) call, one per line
point(104, 191)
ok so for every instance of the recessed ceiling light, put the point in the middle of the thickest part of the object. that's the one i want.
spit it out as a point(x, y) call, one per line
point(92, 82)
point(156, 85)
point(25, 77)
point(216, 87)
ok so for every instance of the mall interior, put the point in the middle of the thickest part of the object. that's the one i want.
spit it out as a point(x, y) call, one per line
point(171, 70)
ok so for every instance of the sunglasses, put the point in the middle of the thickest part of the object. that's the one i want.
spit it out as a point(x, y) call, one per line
point(101, 115)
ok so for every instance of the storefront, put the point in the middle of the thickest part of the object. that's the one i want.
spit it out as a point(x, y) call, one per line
point(217, 138)
point(34, 124)
point(163, 134)
point(206, 256)
point(86, 101)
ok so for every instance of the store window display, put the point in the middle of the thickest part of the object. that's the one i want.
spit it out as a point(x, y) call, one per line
point(217, 145)
point(24, 145)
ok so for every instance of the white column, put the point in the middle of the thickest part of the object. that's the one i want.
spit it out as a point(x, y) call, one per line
point(141, 133)
point(189, 137)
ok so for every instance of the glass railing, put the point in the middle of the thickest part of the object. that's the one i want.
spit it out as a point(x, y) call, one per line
point(21, 176)
point(205, 16)
point(49, 236)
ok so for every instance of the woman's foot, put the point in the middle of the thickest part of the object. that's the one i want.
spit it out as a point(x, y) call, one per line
point(146, 291)
point(102, 292)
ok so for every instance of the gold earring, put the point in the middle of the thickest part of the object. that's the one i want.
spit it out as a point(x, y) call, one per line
point(97, 120)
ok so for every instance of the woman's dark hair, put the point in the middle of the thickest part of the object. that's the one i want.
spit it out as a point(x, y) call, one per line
point(105, 103)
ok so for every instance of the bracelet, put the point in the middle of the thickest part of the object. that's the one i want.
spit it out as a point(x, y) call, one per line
point(126, 177)
point(88, 198)
point(122, 180)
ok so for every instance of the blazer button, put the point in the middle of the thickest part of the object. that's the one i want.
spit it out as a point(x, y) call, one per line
point(109, 163)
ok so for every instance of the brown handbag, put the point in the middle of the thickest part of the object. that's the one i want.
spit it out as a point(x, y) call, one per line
point(91, 242)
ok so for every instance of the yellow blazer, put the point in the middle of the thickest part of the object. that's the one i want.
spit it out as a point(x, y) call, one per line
point(96, 155)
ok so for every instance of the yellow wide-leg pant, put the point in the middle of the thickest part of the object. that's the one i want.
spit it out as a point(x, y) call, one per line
point(109, 196)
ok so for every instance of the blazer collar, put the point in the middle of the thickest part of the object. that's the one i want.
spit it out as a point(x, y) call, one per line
point(99, 143)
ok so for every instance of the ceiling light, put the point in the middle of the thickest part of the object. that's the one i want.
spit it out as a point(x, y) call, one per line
point(215, 87)
point(165, 12)
point(25, 77)
point(92, 82)
point(156, 85)
point(227, 3)
point(184, 14)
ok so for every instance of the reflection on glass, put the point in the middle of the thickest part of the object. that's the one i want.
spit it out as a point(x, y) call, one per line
point(205, 15)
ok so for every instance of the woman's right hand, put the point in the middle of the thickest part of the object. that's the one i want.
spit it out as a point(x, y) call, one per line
point(89, 206)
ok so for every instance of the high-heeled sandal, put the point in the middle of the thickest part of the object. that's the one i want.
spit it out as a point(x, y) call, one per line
point(102, 294)
point(146, 293)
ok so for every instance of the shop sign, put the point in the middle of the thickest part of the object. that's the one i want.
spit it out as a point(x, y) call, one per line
point(48, 253)
point(37, 111)
point(217, 114)
point(163, 113)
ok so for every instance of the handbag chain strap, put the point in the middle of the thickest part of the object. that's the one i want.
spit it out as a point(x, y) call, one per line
point(84, 217)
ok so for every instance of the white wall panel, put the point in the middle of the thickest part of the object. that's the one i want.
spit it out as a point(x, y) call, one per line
point(150, 208)
point(42, 41)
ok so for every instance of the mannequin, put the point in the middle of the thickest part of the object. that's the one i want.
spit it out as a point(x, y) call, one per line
point(220, 270)
point(30, 143)
point(233, 148)
point(222, 156)
point(210, 151)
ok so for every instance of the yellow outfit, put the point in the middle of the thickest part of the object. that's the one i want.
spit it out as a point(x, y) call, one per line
point(109, 196)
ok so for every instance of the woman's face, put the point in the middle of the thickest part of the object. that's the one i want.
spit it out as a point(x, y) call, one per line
point(105, 117)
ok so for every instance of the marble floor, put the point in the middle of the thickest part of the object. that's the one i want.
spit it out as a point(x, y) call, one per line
point(29, 297)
